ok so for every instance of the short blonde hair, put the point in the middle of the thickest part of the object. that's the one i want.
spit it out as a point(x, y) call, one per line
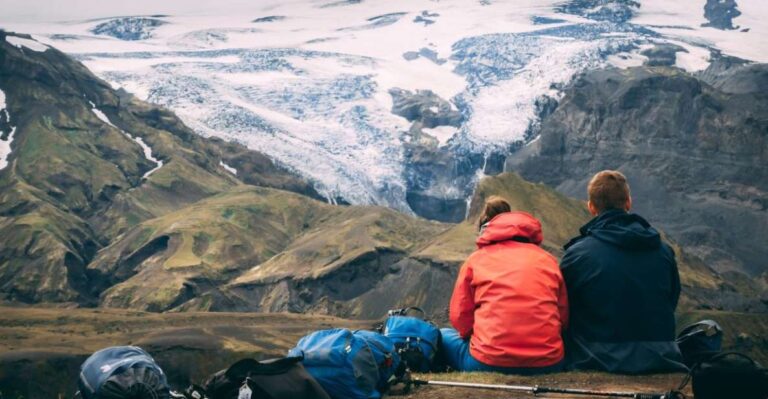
point(608, 189)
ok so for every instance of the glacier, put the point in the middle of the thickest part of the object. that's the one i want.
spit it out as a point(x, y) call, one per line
point(308, 83)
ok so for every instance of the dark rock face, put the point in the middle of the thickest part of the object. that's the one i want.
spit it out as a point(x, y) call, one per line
point(271, 18)
point(720, 14)
point(129, 28)
point(617, 11)
point(424, 106)
point(740, 80)
point(433, 172)
point(695, 154)
point(425, 52)
point(662, 55)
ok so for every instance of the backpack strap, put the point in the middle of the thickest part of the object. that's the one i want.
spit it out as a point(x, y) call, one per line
point(418, 340)
point(709, 327)
point(404, 312)
point(247, 367)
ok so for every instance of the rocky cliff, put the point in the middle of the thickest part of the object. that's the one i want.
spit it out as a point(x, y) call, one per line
point(693, 147)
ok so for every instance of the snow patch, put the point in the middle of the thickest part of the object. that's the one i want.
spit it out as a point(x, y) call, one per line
point(144, 147)
point(694, 59)
point(5, 145)
point(626, 60)
point(21, 42)
point(228, 168)
point(5, 148)
point(441, 133)
point(101, 115)
point(147, 155)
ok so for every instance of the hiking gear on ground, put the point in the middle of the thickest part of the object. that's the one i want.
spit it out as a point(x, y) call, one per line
point(348, 365)
point(727, 375)
point(700, 341)
point(283, 378)
point(510, 297)
point(192, 392)
point(386, 356)
point(456, 352)
point(623, 288)
point(122, 372)
point(536, 390)
point(417, 340)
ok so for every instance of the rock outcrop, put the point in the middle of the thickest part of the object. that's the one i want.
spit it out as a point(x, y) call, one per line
point(694, 153)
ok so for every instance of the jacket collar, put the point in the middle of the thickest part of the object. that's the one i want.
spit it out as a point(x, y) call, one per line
point(621, 228)
point(507, 226)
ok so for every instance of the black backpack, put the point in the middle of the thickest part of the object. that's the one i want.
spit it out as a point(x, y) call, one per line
point(283, 378)
point(727, 375)
point(699, 341)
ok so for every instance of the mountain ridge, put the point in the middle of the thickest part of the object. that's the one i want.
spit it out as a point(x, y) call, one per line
point(91, 228)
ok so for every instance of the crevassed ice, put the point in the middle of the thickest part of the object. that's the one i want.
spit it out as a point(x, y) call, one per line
point(509, 107)
point(144, 147)
point(314, 96)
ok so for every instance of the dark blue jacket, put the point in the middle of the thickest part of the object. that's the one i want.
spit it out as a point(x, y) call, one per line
point(623, 287)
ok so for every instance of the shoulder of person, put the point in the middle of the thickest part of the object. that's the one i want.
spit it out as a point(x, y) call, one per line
point(580, 243)
point(667, 250)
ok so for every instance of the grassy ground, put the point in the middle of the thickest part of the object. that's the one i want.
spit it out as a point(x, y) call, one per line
point(47, 346)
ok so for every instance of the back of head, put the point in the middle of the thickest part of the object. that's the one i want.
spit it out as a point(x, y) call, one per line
point(494, 206)
point(608, 189)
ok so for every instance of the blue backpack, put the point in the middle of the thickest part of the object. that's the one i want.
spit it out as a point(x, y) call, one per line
point(415, 338)
point(349, 365)
point(122, 372)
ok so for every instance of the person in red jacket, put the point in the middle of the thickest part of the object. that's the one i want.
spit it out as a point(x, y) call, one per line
point(509, 305)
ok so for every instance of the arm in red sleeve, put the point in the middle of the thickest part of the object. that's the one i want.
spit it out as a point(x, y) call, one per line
point(462, 308)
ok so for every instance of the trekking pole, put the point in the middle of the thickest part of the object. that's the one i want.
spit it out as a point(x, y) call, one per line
point(535, 390)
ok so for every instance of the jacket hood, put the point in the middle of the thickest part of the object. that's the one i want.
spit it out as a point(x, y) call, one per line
point(626, 230)
point(518, 226)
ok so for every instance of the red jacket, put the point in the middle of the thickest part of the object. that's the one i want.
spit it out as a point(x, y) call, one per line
point(510, 297)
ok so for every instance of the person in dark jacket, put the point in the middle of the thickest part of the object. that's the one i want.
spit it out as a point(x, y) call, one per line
point(623, 287)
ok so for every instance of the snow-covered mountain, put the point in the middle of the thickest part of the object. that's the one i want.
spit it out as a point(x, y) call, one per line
point(346, 92)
